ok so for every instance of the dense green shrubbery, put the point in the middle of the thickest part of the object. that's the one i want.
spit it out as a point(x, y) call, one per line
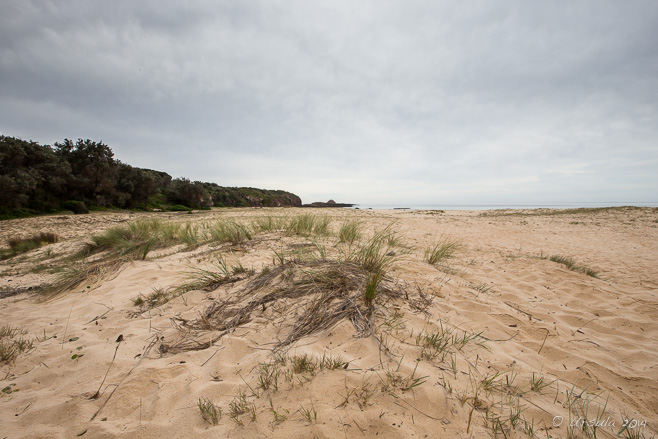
point(84, 175)
point(179, 208)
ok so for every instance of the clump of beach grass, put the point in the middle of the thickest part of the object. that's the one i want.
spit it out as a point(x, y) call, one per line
point(375, 254)
point(229, 231)
point(350, 231)
point(268, 224)
point(374, 257)
point(572, 265)
point(301, 224)
point(307, 224)
point(444, 249)
point(158, 297)
point(322, 226)
point(137, 239)
point(240, 406)
point(209, 411)
point(372, 284)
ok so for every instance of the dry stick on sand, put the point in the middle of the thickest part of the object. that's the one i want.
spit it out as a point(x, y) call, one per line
point(530, 316)
point(146, 351)
point(422, 412)
point(67, 325)
point(98, 392)
point(542, 345)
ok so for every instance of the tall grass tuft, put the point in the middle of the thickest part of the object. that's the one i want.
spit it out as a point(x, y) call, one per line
point(350, 231)
point(322, 226)
point(137, 239)
point(267, 224)
point(374, 257)
point(444, 249)
point(375, 254)
point(229, 231)
point(372, 283)
point(301, 224)
point(189, 235)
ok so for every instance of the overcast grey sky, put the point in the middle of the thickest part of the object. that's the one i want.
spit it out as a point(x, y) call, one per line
point(360, 101)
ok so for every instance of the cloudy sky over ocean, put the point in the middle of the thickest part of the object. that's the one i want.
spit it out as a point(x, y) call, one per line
point(427, 102)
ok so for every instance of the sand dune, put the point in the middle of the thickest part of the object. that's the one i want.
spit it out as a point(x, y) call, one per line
point(496, 341)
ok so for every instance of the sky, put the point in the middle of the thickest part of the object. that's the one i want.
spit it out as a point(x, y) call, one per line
point(370, 102)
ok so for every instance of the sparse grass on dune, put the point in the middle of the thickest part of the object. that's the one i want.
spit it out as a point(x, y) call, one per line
point(23, 245)
point(270, 377)
point(136, 240)
point(210, 277)
point(209, 411)
point(322, 226)
point(444, 340)
point(159, 296)
point(12, 343)
point(206, 278)
point(75, 275)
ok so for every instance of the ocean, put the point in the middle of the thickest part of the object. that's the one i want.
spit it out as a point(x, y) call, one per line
point(502, 206)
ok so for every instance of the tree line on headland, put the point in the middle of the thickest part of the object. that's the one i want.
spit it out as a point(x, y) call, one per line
point(36, 179)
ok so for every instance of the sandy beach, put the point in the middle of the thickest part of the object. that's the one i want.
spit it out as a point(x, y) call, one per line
point(272, 334)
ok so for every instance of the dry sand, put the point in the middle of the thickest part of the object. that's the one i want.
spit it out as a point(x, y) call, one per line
point(593, 341)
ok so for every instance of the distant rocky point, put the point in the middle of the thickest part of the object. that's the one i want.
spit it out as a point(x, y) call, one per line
point(330, 203)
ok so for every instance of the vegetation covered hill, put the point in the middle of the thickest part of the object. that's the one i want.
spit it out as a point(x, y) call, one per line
point(74, 175)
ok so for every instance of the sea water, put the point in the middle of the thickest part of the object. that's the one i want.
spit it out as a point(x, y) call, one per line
point(503, 206)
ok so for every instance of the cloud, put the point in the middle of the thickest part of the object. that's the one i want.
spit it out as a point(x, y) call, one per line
point(363, 102)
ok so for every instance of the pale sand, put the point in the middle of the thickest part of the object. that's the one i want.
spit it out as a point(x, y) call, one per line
point(591, 337)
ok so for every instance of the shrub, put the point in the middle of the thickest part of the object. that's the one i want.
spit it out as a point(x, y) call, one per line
point(179, 208)
point(77, 207)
